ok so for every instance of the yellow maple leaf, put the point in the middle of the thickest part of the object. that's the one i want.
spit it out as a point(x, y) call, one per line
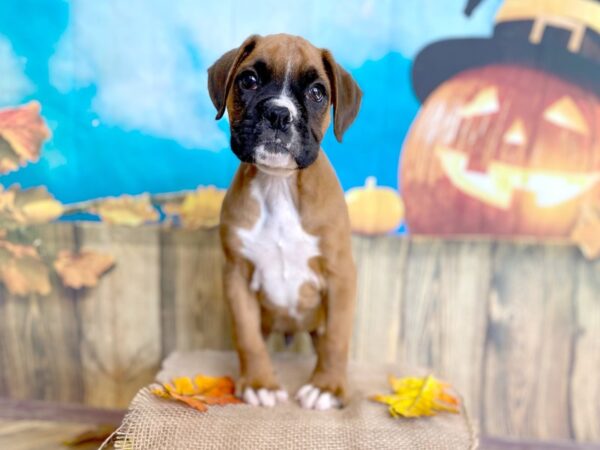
point(27, 207)
point(417, 397)
point(127, 210)
point(82, 269)
point(200, 392)
point(22, 132)
point(199, 209)
point(37, 206)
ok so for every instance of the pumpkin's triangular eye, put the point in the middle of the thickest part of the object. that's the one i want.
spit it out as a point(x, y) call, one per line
point(485, 102)
point(566, 114)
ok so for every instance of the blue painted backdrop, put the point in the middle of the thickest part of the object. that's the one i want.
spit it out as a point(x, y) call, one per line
point(123, 83)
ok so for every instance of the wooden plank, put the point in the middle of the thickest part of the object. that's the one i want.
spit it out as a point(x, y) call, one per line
point(194, 312)
point(41, 435)
point(528, 352)
point(494, 443)
point(380, 265)
point(120, 318)
point(585, 381)
point(444, 313)
point(58, 412)
point(39, 354)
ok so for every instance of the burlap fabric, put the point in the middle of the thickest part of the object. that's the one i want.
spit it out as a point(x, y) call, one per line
point(154, 423)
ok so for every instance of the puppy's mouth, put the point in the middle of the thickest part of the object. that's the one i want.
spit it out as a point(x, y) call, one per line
point(275, 158)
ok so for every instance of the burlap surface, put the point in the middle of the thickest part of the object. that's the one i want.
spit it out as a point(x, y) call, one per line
point(154, 423)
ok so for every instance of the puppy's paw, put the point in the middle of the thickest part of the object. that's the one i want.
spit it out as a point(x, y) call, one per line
point(264, 397)
point(311, 397)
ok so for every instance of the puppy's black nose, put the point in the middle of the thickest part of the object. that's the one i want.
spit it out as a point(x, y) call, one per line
point(279, 117)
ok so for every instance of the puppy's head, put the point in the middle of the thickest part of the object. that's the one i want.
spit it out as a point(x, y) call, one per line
point(278, 91)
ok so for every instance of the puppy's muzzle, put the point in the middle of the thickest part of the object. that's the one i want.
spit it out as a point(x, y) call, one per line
point(279, 117)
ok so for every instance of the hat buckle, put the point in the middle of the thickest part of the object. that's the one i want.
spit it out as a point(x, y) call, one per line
point(577, 29)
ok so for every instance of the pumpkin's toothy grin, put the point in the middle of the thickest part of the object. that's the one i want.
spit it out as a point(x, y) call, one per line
point(497, 186)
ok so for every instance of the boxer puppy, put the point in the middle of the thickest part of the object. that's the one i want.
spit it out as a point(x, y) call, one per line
point(284, 224)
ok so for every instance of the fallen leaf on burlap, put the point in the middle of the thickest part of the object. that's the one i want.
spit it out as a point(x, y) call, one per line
point(22, 271)
point(417, 397)
point(202, 392)
point(127, 210)
point(95, 435)
point(27, 207)
point(199, 209)
point(586, 233)
point(22, 132)
point(82, 269)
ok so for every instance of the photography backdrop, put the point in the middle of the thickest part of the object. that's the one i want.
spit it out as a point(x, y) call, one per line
point(479, 117)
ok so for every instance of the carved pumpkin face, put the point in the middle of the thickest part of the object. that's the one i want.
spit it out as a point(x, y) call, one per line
point(501, 150)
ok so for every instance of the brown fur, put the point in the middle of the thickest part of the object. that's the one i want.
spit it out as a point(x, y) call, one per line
point(326, 313)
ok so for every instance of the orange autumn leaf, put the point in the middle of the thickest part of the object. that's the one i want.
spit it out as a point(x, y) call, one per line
point(22, 271)
point(586, 233)
point(127, 210)
point(203, 391)
point(199, 209)
point(82, 269)
point(192, 401)
point(417, 397)
point(22, 132)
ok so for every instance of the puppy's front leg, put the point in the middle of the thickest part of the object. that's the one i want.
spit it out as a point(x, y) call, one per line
point(258, 382)
point(327, 385)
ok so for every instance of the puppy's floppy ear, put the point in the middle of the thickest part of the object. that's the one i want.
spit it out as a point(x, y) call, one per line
point(345, 95)
point(222, 73)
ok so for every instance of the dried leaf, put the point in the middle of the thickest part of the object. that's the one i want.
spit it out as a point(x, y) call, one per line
point(27, 207)
point(82, 269)
point(22, 271)
point(416, 397)
point(586, 233)
point(200, 393)
point(199, 209)
point(127, 210)
point(22, 132)
point(37, 206)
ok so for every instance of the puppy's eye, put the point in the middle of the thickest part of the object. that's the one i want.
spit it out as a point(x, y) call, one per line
point(316, 93)
point(248, 81)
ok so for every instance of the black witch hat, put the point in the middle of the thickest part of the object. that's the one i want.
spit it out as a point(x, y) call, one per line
point(558, 36)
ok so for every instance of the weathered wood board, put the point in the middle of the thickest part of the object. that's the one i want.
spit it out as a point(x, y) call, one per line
point(515, 326)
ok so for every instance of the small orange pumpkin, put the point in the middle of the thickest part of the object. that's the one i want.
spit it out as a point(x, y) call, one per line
point(373, 209)
point(502, 150)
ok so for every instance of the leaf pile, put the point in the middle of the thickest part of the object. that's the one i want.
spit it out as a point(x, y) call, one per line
point(83, 269)
point(199, 209)
point(204, 391)
point(22, 132)
point(417, 397)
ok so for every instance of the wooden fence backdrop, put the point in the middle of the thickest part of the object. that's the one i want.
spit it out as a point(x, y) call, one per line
point(514, 326)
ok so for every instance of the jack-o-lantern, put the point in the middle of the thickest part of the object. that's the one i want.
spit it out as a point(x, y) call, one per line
point(501, 150)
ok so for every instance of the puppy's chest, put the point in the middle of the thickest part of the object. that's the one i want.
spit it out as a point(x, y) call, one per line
point(278, 246)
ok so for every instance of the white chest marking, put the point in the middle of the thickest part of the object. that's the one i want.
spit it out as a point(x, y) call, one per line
point(277, 245)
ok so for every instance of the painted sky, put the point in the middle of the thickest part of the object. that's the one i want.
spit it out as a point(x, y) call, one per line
point(123, 84)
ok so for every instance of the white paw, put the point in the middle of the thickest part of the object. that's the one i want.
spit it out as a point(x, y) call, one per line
point(264, 397)
point(311, 397)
